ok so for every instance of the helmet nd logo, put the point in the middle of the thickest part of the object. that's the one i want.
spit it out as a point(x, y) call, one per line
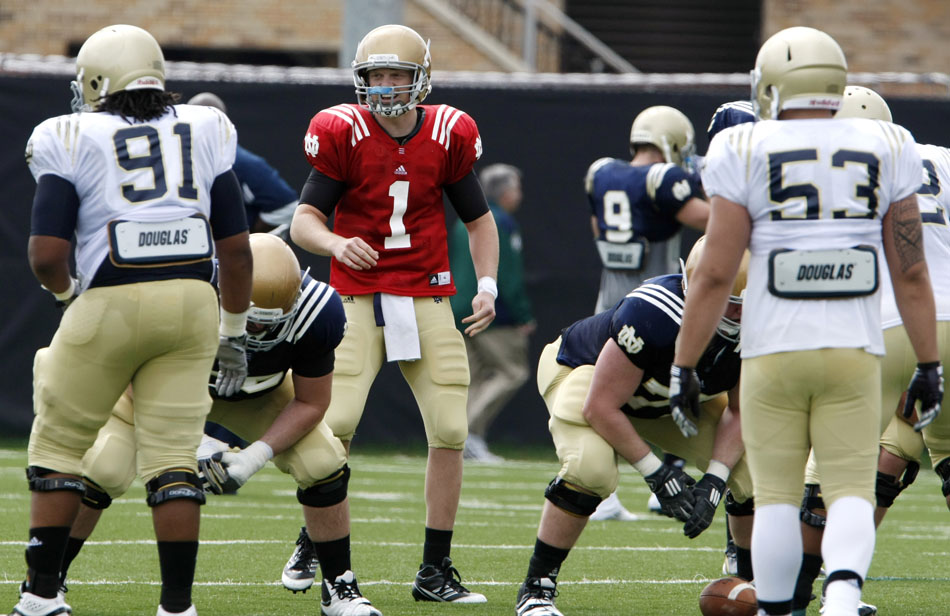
point(628, 339)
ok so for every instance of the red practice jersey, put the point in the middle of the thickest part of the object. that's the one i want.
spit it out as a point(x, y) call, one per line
point(393, 197)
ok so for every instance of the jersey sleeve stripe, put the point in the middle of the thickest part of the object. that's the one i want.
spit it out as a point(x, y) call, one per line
point(444, 122)
point(655, 177)
point(359, 118)
point(451, 125)
point(315, 296)
point(676, 317)
point(663, 299)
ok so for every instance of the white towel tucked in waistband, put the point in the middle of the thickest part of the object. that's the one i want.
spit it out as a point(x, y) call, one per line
point(401, 333)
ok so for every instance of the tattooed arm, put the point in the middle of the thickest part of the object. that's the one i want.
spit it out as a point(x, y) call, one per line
point(904, 249)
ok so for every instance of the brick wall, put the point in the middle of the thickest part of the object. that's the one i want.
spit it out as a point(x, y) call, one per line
point(876, 35)
point(48, 26)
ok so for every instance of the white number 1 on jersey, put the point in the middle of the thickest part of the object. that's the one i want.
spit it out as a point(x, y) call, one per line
point(399, 191)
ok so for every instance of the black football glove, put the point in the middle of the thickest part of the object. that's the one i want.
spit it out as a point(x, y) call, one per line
point(684, 395)
point(232, 365)
point(708, 493)
point(927, 386)
point(673, 488)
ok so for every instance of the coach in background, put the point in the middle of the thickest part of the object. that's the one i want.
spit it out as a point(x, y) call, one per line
point(145, 186)
point(498, 357)
point(814, 195)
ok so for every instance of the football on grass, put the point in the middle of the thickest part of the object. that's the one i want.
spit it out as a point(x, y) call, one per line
point(729, 596)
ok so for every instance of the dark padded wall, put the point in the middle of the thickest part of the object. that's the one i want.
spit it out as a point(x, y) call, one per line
point(552, 134)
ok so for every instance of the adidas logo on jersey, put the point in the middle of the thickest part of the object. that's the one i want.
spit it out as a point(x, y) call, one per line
point(400, 170)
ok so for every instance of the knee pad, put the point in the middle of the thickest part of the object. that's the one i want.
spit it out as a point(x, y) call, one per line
point(569, 499)
point(736, 509)
point(38, 482)
point(174, 484)
point(95, 497)
point(810, 501)
point(888, 487)
point(326, 492)
point(943, 470)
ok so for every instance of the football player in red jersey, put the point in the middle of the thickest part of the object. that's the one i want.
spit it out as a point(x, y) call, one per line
point(383, 165)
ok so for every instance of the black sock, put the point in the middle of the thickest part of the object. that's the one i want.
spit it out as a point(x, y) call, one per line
point(437, 546)
point(546, 561)
point(775, 608)
point(44, 557)
point(177, 560)
point(73, 545)
point(744, 564)
point(334, 557)
point(811, 567)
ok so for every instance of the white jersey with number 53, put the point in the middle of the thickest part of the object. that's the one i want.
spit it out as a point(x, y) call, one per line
point(146, 172)
point(816, 191)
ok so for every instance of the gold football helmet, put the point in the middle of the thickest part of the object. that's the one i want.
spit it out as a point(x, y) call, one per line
point(798, 68)
point(860, 102)
point(275, 288)
point(392, 46)
point(113, 59)
point(669, 130)
point(726, 328)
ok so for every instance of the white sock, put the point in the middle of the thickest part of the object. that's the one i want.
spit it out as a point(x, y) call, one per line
point(847, 545)
point(776, 551)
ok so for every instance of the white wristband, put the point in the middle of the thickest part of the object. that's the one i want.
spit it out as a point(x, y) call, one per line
point(648, 464)
point(69, 292)
point(487, 284)
point(233, 324)
point(260, 451)
point(718, 469)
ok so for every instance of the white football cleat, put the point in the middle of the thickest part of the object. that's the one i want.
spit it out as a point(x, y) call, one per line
point(35, 605)
point(342, 597)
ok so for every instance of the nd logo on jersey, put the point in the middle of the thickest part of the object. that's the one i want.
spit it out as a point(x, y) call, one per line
point(311, 144)
point(628, 339)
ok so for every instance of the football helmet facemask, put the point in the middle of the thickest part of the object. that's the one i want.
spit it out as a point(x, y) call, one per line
point(116, 58)
point(727, 328)
point(398, 47)
point(274, 291)
point(798, 68)
point(861, 102)
point(669, 130)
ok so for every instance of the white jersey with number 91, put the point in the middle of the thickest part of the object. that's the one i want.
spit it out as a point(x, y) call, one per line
point(146, 172)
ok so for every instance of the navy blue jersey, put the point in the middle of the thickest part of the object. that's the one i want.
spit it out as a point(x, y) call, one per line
point(645, 325)
point(635, 203)
point(264, 190)
point(313, 334)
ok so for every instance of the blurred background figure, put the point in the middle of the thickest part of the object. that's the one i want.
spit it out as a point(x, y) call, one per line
point(269, 201)
point(498, 358)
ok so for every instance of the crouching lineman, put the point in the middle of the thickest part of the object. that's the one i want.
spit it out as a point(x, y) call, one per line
point(294, 324)
point(605, 382)
point(901, 444)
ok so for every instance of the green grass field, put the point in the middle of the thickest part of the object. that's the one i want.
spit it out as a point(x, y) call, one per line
point(645, 567)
